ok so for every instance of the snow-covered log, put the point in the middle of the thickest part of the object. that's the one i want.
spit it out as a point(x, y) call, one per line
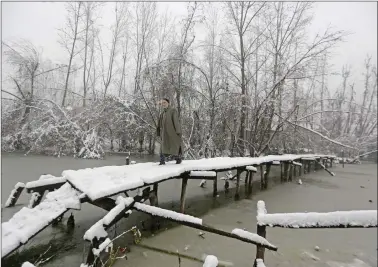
point(14, 195)
point(251, 236)
point(26, 223)
point(336, 219)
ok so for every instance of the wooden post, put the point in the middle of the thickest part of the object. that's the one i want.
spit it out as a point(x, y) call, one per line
point(127, 161)
point(331, 163)
point(237, 195)
point(90, 256)
point(261, 177)
point(291, 172)
point(15, 194)
point(260, 251)
point(261, 231)
point(215, 186)
point(250, 180)
point(342, 156)
point(183, 193)
point(38, 199)
point(309, 167)
point(155, 189)
point(304, 167)
point(266, 176)
point(282, 177)
point(286, 167)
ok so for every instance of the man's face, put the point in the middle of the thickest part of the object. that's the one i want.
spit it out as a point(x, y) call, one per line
point(164, 103)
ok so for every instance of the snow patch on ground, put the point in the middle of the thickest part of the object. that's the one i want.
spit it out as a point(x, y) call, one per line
point(210, 261)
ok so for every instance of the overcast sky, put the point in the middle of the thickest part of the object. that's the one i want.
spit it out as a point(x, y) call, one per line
point(38, 21)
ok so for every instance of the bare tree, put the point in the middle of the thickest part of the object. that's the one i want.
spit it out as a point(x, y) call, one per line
point(69, 37)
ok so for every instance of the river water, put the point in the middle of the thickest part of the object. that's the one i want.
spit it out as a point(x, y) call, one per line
point(16, 167)
point(318, 193)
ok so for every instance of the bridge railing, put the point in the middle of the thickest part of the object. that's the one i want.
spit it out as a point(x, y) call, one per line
point(310, 220)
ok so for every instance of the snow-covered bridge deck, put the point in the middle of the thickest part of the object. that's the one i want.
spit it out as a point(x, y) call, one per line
point(101, 182)
point(98, 184)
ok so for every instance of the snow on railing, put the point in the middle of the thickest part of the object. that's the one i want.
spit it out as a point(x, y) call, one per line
point(44, 181)
point(339, 219)
point(251, 236)
point(167, 213)
point(335, 219)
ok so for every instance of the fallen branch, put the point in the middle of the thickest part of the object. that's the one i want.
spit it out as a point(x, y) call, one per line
point(319, 134)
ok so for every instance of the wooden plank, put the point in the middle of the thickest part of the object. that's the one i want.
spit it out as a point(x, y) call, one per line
point(49, 187)
point(43, 228)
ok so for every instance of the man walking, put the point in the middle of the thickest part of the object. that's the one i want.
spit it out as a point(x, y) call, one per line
point(169, 130)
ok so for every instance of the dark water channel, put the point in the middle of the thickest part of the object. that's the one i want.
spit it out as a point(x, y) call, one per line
point(19, 168)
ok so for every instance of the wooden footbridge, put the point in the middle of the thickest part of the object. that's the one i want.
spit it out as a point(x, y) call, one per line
point(97, 185)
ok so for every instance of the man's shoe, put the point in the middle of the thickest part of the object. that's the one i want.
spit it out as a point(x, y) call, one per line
point(162, 163)
point(178, 160)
